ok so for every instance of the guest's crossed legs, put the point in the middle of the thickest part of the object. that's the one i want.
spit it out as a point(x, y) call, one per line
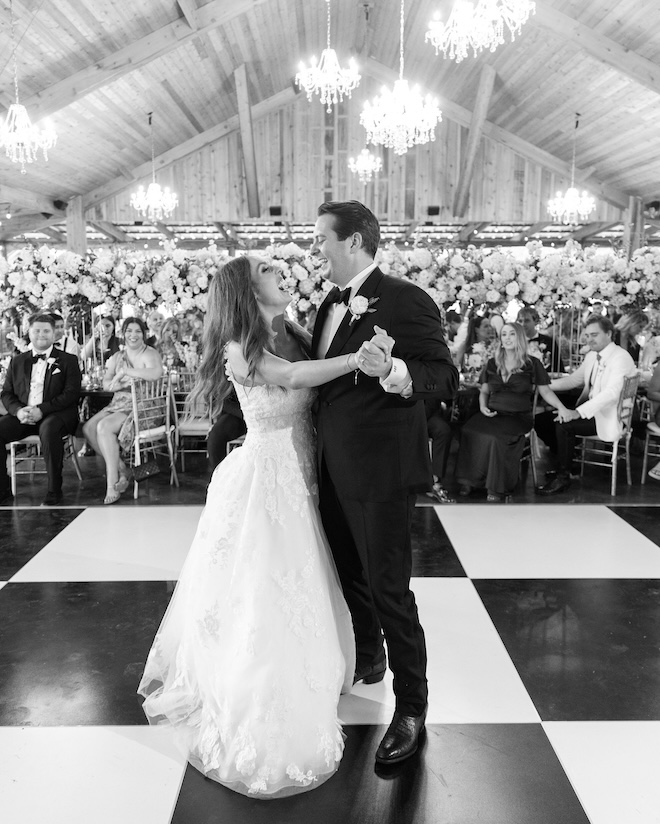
point(371, 546)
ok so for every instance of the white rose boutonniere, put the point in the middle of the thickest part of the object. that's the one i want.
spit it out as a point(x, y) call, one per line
point(359, 306)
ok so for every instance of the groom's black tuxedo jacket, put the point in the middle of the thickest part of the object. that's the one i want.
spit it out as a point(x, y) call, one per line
point(61, 386)
point(375, 443)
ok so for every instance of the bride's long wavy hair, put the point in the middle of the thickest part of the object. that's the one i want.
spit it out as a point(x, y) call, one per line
point(232, 314)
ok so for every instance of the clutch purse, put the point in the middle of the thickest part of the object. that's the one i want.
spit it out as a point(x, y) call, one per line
point(145, 470)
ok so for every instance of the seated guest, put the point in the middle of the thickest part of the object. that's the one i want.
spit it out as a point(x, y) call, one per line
point(601, 375)
point(540, 346)
point(40, 394)
point(479, 333)
point(653, 394)
point(228, 426)
point(113, 427)
point(453, 323)
point(492, 441)
point(626, 330)
point(170, 336)
point(104, 344)
point(439, 432)
point(155, 321)
point(62, 341)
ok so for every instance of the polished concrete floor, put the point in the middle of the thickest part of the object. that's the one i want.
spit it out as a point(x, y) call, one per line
point(543, 629)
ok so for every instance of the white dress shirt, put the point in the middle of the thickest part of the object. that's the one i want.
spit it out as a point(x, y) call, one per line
point(398, 380)
point(38, 377)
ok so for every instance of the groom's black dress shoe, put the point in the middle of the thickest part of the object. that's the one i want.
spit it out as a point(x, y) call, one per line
point(401, 739)
point(558, 484)
point(372, 672)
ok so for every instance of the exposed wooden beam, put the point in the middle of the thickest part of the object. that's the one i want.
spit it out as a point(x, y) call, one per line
point(117, 185)
point(522, 237)
point(463, 116)
point(110, 231)
point(55, 234)
point(466, 232)
point(76, 228)
point(247, 140)
point(137, 54)
point(637, 68)
point(164, 230)
point(412, 228)
point(28, 201)
point(30, 223)
point(484, 92)
point(227, 231)
point(590, 229)
point(189, 9)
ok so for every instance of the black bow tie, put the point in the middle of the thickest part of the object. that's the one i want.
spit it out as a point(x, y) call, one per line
point(35, 358)
point(337, 295)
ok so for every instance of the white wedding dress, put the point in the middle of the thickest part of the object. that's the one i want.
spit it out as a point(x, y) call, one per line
point(257, 642)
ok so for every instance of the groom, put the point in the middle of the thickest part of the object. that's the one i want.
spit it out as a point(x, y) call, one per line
point(373, 452)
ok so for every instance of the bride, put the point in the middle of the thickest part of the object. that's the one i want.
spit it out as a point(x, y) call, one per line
point(257, 642)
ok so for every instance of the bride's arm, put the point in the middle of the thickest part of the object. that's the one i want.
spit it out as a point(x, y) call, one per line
point(279, 372)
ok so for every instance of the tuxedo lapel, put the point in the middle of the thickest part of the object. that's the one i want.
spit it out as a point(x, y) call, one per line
point(321, 316)
point(368, 290)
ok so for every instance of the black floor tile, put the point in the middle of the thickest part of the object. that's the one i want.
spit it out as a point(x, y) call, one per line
point(586, 650)
point(23, 533)
point(73, 653)
point(645, 519)
point(495, 773)
point(433, 553)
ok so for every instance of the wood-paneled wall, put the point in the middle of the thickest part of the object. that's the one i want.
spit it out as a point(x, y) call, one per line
point(302, 159)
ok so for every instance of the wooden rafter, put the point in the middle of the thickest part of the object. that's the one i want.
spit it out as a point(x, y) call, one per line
point(30, 202)
point(463, 116)
point(190, 11)
point(484, 92)
point(608, 51)
point(110, 230)
point(590, 229)
point(164, 230)
point(186, 148)
point(247, 140)
point(134, 56)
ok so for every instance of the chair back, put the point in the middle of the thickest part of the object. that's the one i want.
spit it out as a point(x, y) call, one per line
point(626, 405)
point(151, 404)
point(180, 392)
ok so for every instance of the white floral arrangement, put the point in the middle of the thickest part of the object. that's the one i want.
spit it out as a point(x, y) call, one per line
point(178, 279)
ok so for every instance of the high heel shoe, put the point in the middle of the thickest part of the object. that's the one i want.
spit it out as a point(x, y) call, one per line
point(112, 496)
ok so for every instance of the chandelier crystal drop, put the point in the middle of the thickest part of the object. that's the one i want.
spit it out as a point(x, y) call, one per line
point(573, 206)
point(399, 118)
point(155, 202)
point(23, 140)
point(365, 165)
point(478, 28)
point(327, 78)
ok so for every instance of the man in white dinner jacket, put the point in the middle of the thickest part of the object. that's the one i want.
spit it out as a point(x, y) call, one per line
point(601, 375)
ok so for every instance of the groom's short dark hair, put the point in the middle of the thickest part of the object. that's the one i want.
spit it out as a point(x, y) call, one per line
point(352, 216)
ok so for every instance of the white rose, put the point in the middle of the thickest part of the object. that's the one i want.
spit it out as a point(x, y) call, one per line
point(358, 305)
point(633, 287)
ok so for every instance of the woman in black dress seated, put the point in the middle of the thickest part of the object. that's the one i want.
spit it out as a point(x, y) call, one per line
point(492, 441)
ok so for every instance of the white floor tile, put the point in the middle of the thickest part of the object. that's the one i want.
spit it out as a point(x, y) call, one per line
point(528, 541)
point(2, 583)
point(79, 775)
point(613, 766)
point(117, 544)
point(472, 679)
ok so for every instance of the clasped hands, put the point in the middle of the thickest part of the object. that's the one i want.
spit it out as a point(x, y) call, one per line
point(374, 357)
point(564, 415)
point(29, 415)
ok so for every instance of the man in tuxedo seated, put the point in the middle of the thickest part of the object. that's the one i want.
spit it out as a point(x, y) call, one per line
point(601, 375)
point(228, 426)
point(62, 340)
point(439, 432)
point(541, 346)
point(40, 394)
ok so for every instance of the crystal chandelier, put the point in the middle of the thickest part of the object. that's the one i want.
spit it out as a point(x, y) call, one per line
point(478, 28)
point(327, 78)
point(365, 165)
point(401, 117)
point(156, 203)
point(20, 138)
point(571, 207)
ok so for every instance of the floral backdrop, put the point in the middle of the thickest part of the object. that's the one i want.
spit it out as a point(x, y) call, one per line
point(178, 279)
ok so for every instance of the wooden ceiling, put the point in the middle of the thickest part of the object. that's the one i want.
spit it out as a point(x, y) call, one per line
point(95, 68)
